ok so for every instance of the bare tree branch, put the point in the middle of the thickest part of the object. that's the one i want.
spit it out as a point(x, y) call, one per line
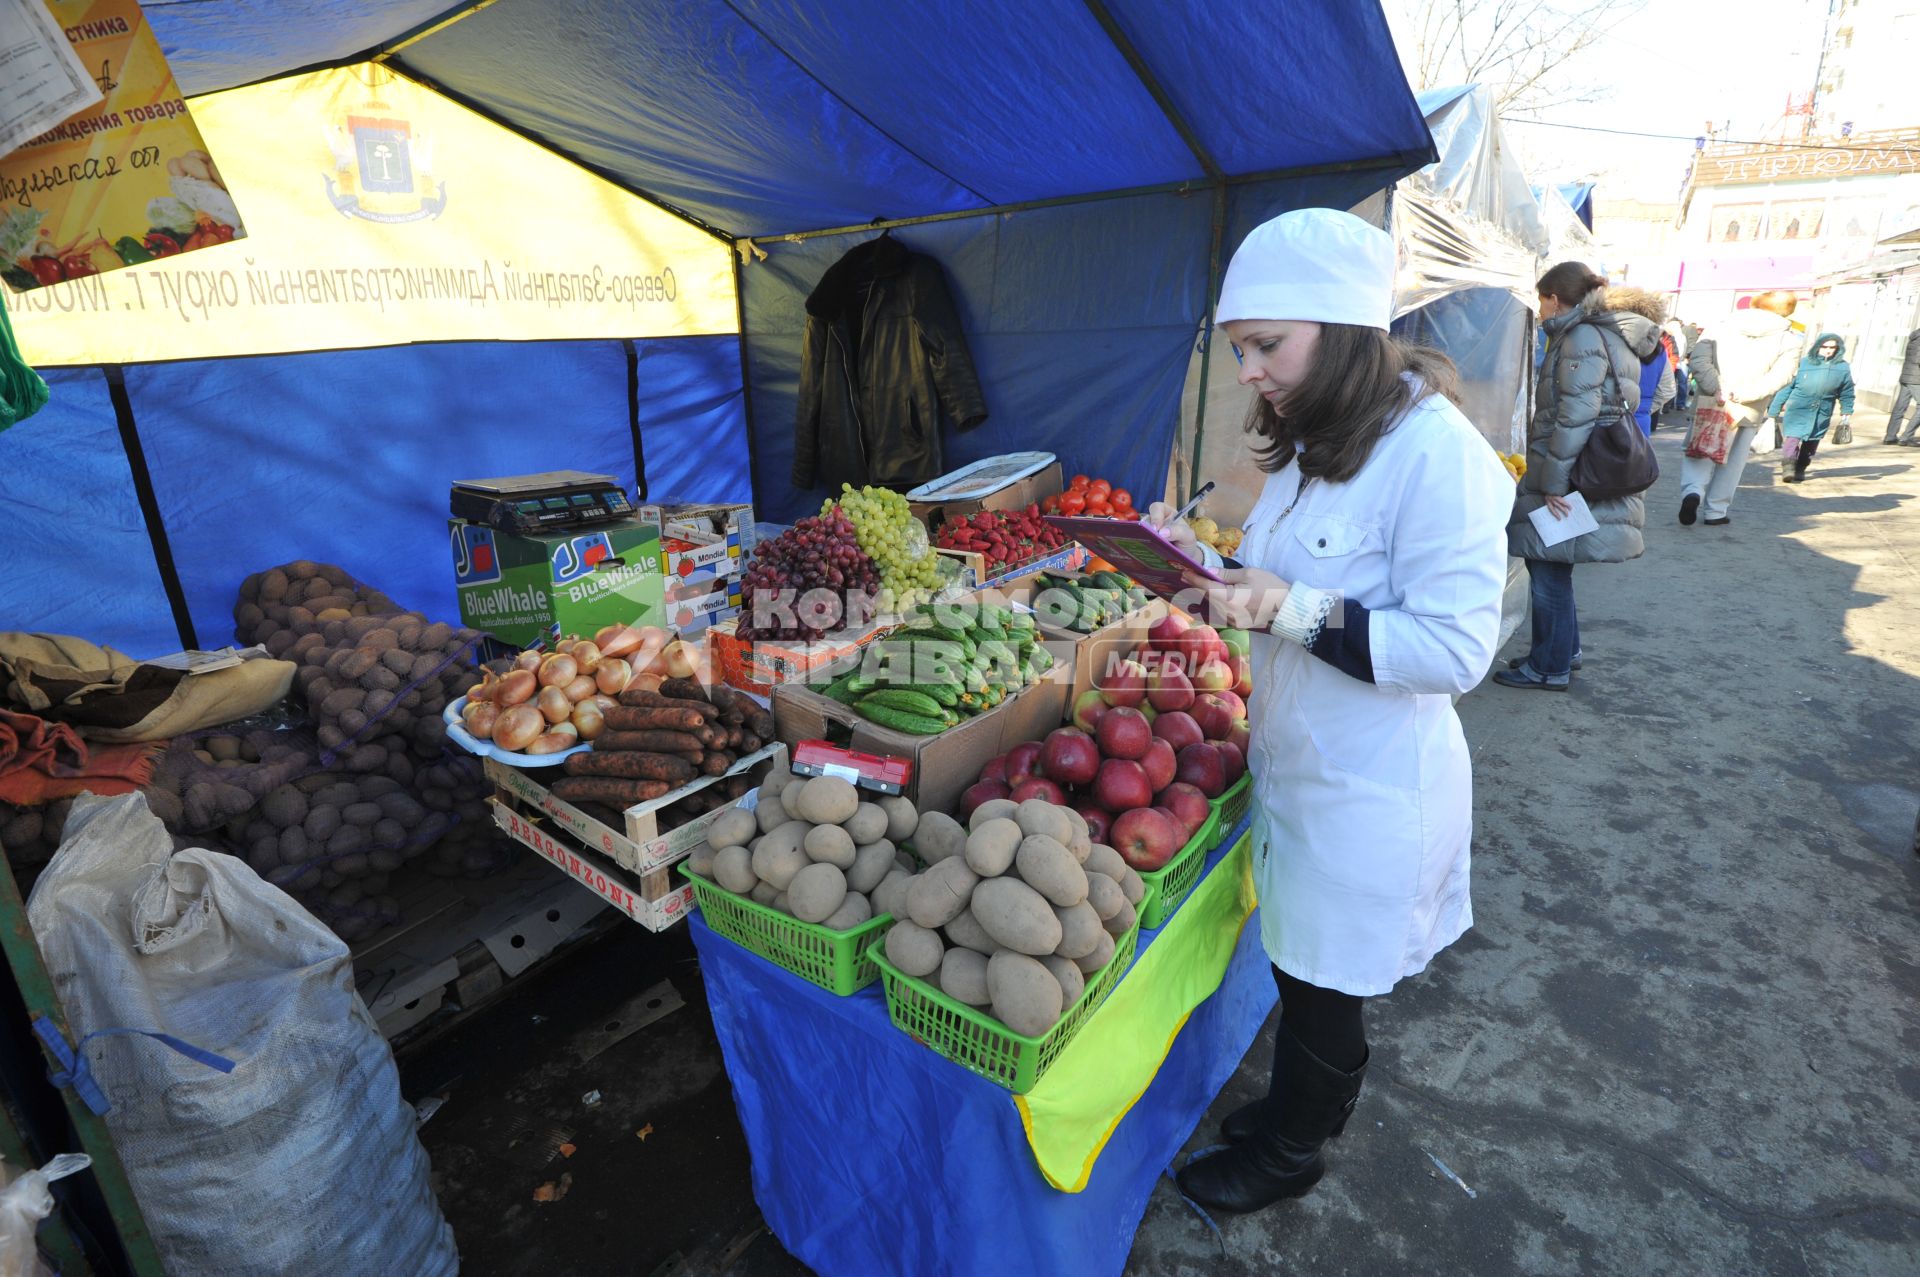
point(1524, 50)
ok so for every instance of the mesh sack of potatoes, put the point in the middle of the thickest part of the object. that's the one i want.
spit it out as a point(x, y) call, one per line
point(207, 779)
point(30, 836)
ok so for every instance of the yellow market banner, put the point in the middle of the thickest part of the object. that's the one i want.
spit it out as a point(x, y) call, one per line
point(381, 213)
point(126, 182)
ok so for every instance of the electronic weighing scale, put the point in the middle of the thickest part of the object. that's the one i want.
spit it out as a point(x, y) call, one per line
point(539, 502)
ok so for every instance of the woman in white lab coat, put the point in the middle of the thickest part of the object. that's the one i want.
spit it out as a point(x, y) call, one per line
point(1370, 576)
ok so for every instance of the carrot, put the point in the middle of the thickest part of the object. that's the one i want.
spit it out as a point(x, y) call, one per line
point(652, 742)
point(632, 765)
point(626, 718)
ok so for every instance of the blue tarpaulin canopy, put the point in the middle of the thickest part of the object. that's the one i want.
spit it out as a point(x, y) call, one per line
point(1079, 168)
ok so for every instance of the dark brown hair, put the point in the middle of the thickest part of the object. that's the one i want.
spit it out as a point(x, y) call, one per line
point(1570, 282)
point(1350, 397)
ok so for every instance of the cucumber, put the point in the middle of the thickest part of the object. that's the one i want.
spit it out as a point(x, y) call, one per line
point(1111, 581)
point(900, 720)
point(901, 698)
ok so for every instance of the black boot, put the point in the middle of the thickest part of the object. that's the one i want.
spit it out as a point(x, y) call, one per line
point(1248, 1118)
point(1280, 1157)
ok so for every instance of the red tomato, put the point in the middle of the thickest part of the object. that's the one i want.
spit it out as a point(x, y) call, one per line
point(1131, 516)
point(1073, 503)
point(1050, 505)
point(1079, 483)
point(1098, 488)
point(1121, 499)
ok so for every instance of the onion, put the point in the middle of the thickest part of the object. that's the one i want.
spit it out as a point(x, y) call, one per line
point(613, 675)
point(551, 743)
point(604, 701)
point(646, 682)
point(558, 670)
point(516, 728)
point(616, 640)
point(567, 730)
point(479, 718)
point(680, 660)
point(589, 719)
point(586, 655)
point(554, 705)
point(527, 661)
point(483, 690)
point(646, 657)
point(566, 644)
point(517, 688)
point(581, 688)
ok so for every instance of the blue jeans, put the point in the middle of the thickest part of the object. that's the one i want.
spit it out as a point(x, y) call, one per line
point(1556, 626)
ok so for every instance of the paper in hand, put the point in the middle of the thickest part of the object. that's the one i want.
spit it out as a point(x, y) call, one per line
point(1579, 520)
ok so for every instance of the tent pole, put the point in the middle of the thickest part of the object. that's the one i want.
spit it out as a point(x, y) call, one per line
point(1216, 239)
point(746, 387)
point(432, 26)
point(149, 503)
point(1151, 83)
point(1192, 186)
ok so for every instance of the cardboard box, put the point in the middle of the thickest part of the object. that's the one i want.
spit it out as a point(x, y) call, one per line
point(701, 542)
point(973, 567)
point(693, 607)
point(517, 586)
point(757, 666)
point(1016, 495)
point(944, 765)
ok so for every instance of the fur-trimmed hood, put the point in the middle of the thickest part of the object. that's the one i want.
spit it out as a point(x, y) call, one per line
point(1639, 301)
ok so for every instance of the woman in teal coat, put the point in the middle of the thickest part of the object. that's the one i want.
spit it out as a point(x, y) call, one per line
point(1804, 406)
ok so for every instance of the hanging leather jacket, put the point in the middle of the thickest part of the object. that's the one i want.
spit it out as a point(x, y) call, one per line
point(883, 365)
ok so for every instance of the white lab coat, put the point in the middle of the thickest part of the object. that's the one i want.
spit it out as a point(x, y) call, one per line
point(1363, 792)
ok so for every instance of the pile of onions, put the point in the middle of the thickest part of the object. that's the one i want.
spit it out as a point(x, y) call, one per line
point(552, 701)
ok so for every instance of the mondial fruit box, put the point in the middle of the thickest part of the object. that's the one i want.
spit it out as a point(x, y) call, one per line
point(519, 586)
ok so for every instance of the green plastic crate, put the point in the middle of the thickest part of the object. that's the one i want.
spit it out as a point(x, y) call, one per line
point(837, 961)
point(973, 1039)
point(1168, 885)
point(1233, 804)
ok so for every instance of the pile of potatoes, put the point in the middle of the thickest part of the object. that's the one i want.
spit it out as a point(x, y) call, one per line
point(811, 848)
point(206, 780)
point(30, 836)
point(1014, 913)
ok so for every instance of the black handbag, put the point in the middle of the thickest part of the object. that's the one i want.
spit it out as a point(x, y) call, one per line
point(1618, 460)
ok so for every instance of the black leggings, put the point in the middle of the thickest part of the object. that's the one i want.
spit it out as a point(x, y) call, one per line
point(1327, 1022)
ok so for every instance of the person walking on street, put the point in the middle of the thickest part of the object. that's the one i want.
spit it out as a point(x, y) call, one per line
point(1756, 353)
point(1659, 375)
point(1595, 356)
point(1804, 406)
point(1909, 396)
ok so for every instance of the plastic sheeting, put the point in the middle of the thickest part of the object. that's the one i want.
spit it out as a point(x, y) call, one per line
point(766, 116)
point(899, 1162)
point(76, 555)
point(1081, 352)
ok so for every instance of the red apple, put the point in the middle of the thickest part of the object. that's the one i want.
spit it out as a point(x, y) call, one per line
point(1213, 676)
point(979, 792)
point(1236, 706)
point(1241, 736)
point(1164, 634)
point(1099, 819)
point(1148, 712)
point(1038, 787)
point(1213, 716)
point(1121, 785)
point(1179, 729)
point(1124, 683)
point(1201, 766)
point(1023, 760)
point(1233, 760)
point(1124, 733)
point(1197, 644)
point(1188, 805)
point(1169, 689)
point(1146, 839)
point(1243, 686)
point(1069, 757)
point(996, 769)
point(1160, 764)
point(1089, 708)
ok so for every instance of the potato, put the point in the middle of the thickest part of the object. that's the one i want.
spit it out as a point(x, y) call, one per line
point(853, 911)
point(891, 895)
point(1134, 886)
point(991, 847)
point(784, 905)
point(871, 864)
point(1103, 859)
point(777, 780)
point(829, 845)
point(1016, 915)
point(1081, 846)
point(963, 977)
point(824, 800)
point(701, 859)
point(816, 892)
point(733, 869)
point(993, 809)
point(1080, 930)
point(734, 827)
point(765, 893)
point(1121, 921)
point(1105, 896)
point(939, 894)
point(902, 818)
point(1038, 816)
point(867, 824)
point(1072, 982)
point(914, 949)
point(1079, 824)
point(1050, 869)
point(965, 930)
point(779, 856)
point(771, 814)
point(938, 836)
point(1099, 958)
point(1025, 996)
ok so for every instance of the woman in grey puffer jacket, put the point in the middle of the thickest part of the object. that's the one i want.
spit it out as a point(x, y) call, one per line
point(1594, 357)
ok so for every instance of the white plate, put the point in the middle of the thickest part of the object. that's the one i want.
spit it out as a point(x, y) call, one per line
point(458, 733)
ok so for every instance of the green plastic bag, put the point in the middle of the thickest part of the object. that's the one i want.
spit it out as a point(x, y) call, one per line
point(22, 392)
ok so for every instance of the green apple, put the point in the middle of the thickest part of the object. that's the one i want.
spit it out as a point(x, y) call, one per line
point(1238, 641)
